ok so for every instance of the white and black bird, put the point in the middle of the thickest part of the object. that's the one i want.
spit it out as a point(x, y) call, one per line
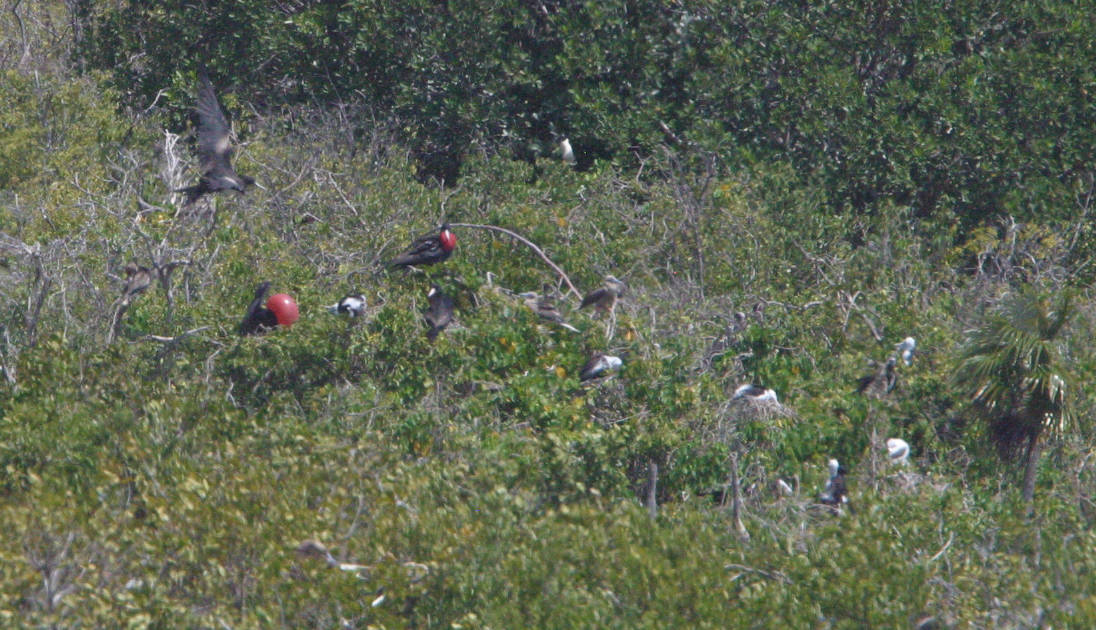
point(138, 278)
point(880, 382)
point(755, 393)
point(439, 314)
point(566, 151)
point(836, 493)
point(214, 147)
point(898, 450)
point(905, 349)
point(599, 365)
point(351, 305)
point(545, 308)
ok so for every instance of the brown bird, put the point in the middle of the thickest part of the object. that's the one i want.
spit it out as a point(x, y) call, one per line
point(545, 308)
point(880, 382)
point(605, 297)
point(440, 313)
point(214, 147)
point(138, 279)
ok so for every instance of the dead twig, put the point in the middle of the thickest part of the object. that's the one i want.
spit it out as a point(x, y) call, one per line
point(530, 244)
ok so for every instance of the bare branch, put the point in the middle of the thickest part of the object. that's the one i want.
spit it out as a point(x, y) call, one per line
point(530, 244)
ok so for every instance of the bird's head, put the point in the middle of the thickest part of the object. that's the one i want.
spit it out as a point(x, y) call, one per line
point(835, 467)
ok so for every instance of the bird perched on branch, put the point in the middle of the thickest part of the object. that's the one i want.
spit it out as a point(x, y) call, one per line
point(258, 318)
point(566, 151)
point(316, 549)
point(898, 450)
point(881, 382)
point(599, 365)
point(754, 393)
point(440, 313)
point(214, 147)
point(138, 279)
point(604, 298)
point(545, 308)
point(905, 349)
point(352, 305)
point(280, 310)
point(428, 249)
point(836, 494)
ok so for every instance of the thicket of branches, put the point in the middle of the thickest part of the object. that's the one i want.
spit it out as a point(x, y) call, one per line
point(788, 193)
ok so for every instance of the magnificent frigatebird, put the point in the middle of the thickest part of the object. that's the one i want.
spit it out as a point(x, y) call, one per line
point(352, 305)
point(835, 494)
point(214, 147)
point(754, 393)
point(259, 318)
point(898, 450)
point(906, 349)
point(440, 313)
point(605, 297)
point(138, 279)
point(599, 365)
point(566, 151)
point(545, 308)
point(429, 249)
point(880, 382)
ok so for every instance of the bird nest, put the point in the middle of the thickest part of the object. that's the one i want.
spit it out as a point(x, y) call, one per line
point(737, 413)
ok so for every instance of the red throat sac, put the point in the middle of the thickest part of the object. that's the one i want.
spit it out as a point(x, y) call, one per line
point(284, 308)
point(448, 240)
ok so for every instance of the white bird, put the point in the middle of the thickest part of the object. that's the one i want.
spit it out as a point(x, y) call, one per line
point(906, 348)
point(565, 149)
point(352, 305)
point(898, 450)
point(599, 365)
point(754, 393)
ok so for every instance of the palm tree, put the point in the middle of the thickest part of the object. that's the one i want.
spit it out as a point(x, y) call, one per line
point(1012, 369)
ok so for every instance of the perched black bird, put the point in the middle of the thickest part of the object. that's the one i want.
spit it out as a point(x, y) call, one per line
point(352, 305)
point(605, 297)
point(879, 383)
point(440, 313)
point(429, 249)
point(259, 318)
point(599, 365)
point(214, 147)
point(545, 308)
point(138, 279)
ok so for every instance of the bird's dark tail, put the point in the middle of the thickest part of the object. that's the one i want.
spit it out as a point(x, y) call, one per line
point(192, 193)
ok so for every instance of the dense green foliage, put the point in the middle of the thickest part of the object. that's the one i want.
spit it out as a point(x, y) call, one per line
point(845, 174)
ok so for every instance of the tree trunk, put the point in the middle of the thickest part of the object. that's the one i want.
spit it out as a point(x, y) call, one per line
point(1034, 449)
point(652, 489)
